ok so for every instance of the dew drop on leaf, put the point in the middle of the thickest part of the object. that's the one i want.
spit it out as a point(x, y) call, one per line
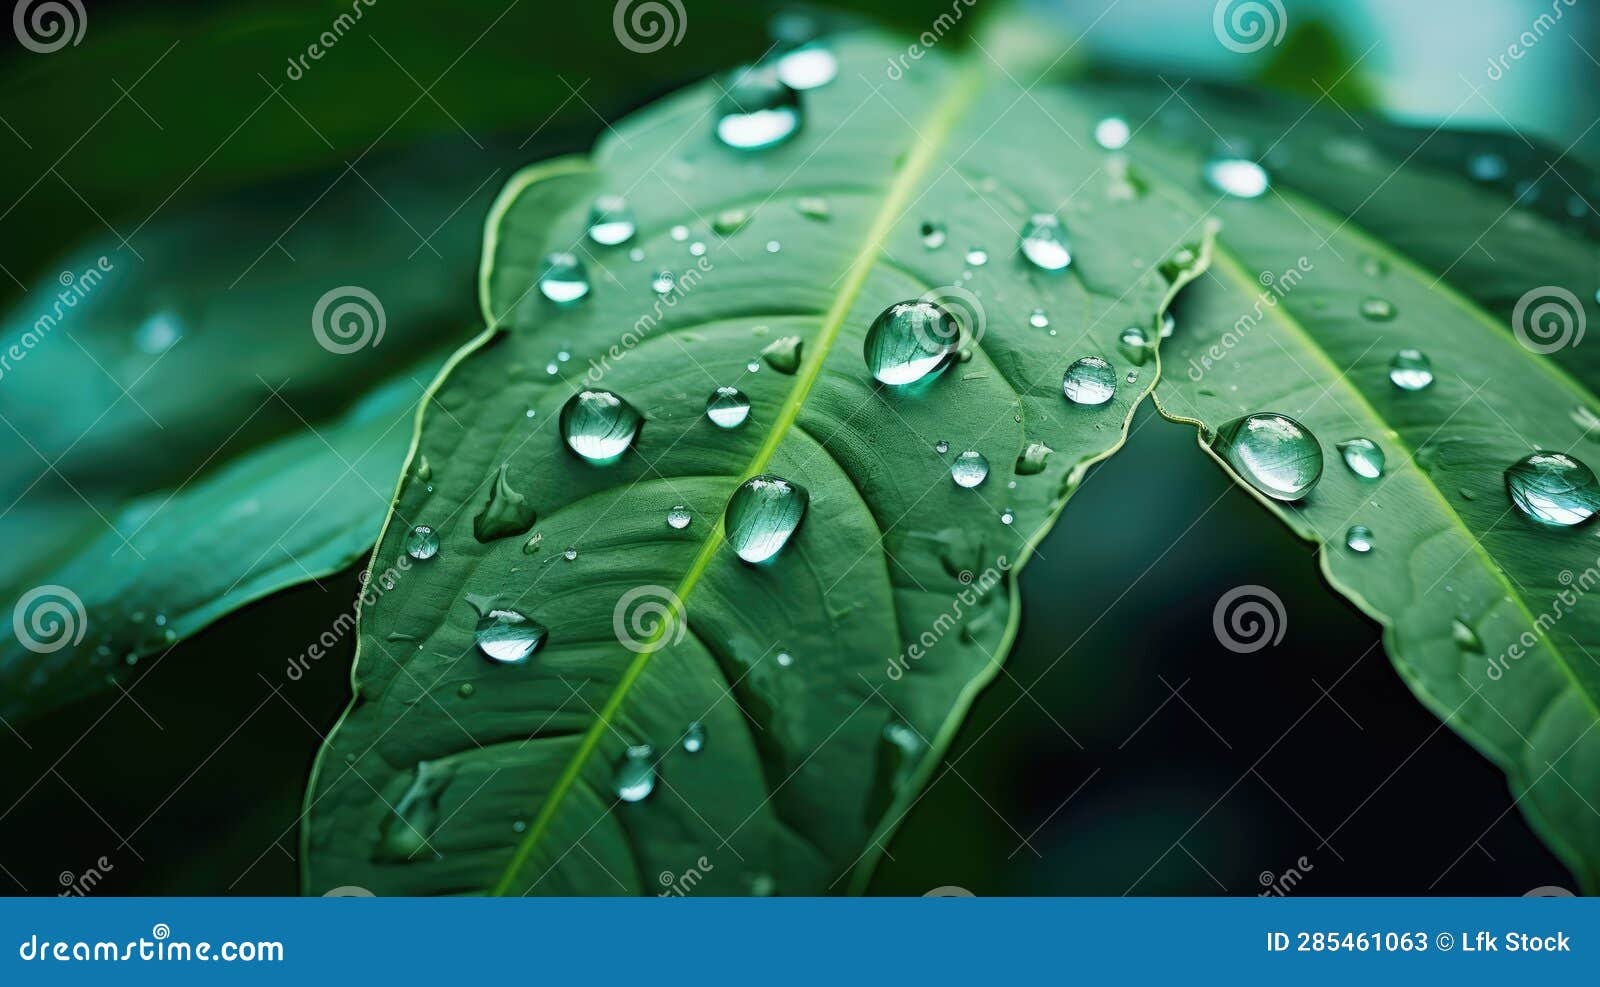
point(564, 279)
point(969, 469)
point(1237, 177)
point(757, 110)
point(508, 637)
point(727, 407)
point(598, 425)
point(1359, 538)
point(635, 776)
point(1273, 453)
point(611, 221)
point(422, 543)
point(1411, 370)
point(1089, 381)
point(679, 517)
point(910, 340)
point(762, 515)
point(1553, 488)
point(1363, 456)
point(1044, 243)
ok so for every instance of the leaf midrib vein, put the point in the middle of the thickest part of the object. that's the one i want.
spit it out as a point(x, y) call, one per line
point(928, 143)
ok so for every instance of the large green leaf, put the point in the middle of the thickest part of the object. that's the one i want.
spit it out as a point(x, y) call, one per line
point(177, 442)
point(453, 774)
point(1484, 610)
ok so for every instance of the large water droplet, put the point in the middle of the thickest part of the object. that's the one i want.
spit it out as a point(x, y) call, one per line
point(694, 737)
point(679, 517)
point(1238, 177)
point(422, 543)
point(762, 515)
point(969, 469)
point(1273, 453)
point(635, 776)
point(598, 425)
point(808, 67)
point(611, 221)
point(1112, 133)
point(728, 407)
point(1089, 381)
point(564, 280)
point(758, 110)
point(1044, 242)
point(1135, 344)
point(508, 637)
point(1411, 370)
point(1553, 488)
point(910, 340)
point(1359, 538)
point(1364, 457)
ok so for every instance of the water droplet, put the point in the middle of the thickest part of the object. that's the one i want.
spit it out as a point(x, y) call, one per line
point(1135, 344)
point(910, 340)
point(404, 833)
point(611, 221)
point(1007, 516)
point(694, 737)
point(813, 207)
point(697, 249)
point(663, 282)
point(1133, 377)
point(969, 469)
point(1359, 538)
point(679, 517)
point(519, 826)
point(679, 232)
point(1553, 488)
point(1374, 267)
point(1486, 167)
point(508, 637)
point(728, 407)
point(157, 334)
point(933, 235)
point(1039, 319)
point(783, 354)
point(941, 447)
point(506, 512)
point(753, 366)
point(564, 280)
point(763, 513)
point(1033, 459)
point(1465, 637)
point(1364, 457)
point(1112, 133)
point(730, 221)
point(1044, 243)
point(758, 110)
point(1089, 381)
point(552, 368)
point(785, 659)
point(465, 690)
point(571, 553)
point(1238, 177)
point(422, 543)
point(1377, 309)
point(808, 67)
point(1273, 453)
point(636, 254)
point(773, 246)
point(1169, 325)
point(598, 425)
point(1411, 370)
point(635, 776)
point(977, 256)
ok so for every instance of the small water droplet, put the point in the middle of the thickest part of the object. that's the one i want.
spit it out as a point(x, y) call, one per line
point(977, 256)
point(636, 254)
point(422, 543)
point(1376, 309)
point(730, 221)
point(1135, 345)
point(1238, 177)
point(785, 659)
point(611, 221)
point(1007, 516)
point(728, 407)
point(1273, 453)
point(599, 426)
point(810, 66)
point(635, 777)
point(157, 334)
point(1044, 243)
point(762, 515)
point(1033, 458)
point(969, 469)
point(663, 282)
point(697, 249)
point(1411, 370)
point(1486, 166)
point(941, 447)
point(679, 232)
point(571, 554)
point(694, 737)
point(1169, 325)
point(1359, 538)
point(465, 690)
point(783, 354)
point(519, 826)
point(910, 340)
point(933, 235)
point(564, 279)
point(1465, 637)
point(679, 517)
point(1039, 319)
point(1553, 488)
point(508, 637)
point(753, 366)
point(773, 246)
point(1374, 267)
point(1089, 381)
point(813, 207)
point(1364, 457)
point(757, 110)
point(1112, 133)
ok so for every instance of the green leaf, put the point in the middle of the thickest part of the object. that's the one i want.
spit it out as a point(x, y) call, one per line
point(175, 441)
point(828, 680)
point(1484, 610)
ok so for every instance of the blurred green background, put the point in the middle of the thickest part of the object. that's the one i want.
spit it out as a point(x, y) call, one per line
point(1124, 751)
